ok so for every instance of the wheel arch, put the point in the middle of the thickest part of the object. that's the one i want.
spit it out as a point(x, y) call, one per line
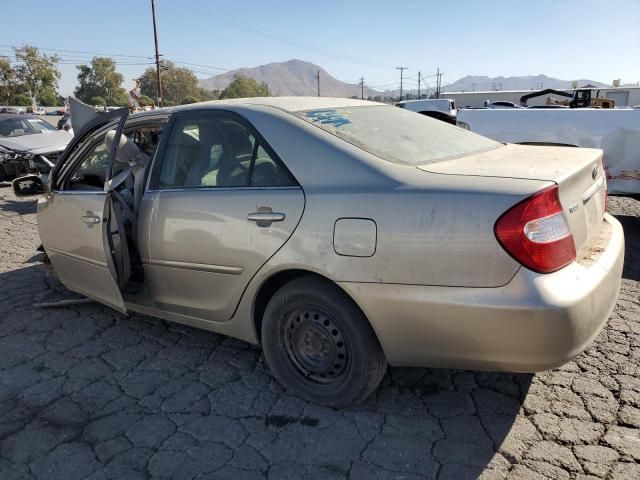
point(274, 282)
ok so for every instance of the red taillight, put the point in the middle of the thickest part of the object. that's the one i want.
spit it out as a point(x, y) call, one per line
point(536, 233)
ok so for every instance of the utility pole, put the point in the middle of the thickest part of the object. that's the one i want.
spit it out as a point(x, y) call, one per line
point(402, 69)
point(418, 85)
point(155, 38)
point(438, 82)
point(362, 88)
point(318, 77)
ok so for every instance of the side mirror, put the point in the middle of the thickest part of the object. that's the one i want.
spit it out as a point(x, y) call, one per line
point(28, 185)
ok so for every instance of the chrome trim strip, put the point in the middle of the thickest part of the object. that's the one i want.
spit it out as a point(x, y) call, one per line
point(200, 267)
point(590, 192)
point(219, 189)
point(79, 192)
point(77, 257)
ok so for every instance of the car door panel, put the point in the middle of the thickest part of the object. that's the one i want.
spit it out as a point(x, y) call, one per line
point(200, 248)
point(70, 227)
point(74, 217)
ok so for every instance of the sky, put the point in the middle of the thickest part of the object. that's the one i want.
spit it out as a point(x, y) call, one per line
point(350, 39)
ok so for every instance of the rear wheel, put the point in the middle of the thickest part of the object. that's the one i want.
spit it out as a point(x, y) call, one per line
point(319, 345)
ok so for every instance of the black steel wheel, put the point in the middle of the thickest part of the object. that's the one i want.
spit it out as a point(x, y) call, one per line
point(315, 345)
point(319, 345)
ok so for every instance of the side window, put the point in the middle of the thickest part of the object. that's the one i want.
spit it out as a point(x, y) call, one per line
point(269, 173)
point(215, 151)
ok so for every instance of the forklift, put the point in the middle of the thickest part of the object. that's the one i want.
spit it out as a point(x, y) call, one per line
point(580, 98)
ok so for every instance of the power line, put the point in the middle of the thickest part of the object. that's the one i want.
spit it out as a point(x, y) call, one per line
point(259, 30)
point(79, 51)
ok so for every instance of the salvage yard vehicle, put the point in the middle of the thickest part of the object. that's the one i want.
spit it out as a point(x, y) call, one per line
point(338, 234)
point(28, 144)
point(438, 108)
point(615, 130)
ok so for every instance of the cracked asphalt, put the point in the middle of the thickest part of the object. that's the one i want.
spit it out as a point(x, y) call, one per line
point(88, 393)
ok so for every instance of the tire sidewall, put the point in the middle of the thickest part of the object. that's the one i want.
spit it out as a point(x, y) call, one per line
point(356, 380)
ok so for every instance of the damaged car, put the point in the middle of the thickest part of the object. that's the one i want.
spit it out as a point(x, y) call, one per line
point(339, 235)
point(29, 144)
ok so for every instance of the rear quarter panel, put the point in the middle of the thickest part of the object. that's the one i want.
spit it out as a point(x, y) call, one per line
point(432, 229)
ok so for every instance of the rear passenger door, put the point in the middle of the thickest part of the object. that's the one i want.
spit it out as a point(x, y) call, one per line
point(220, 203)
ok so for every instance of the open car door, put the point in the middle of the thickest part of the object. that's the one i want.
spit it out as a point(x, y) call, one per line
point(73, 215)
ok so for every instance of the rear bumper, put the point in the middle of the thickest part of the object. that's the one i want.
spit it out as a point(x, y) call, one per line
point(535, 322)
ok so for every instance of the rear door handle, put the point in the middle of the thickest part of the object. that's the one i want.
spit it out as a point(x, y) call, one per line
point(264, 217)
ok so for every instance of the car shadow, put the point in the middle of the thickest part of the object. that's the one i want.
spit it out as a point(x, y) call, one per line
point(631, 225)
point(421, 422)
point(22, 207)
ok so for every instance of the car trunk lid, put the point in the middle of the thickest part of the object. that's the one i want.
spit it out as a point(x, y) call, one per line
point(578, 173)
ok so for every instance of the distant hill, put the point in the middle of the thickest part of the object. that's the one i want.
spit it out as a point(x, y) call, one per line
point(529, 82)
point(297, 77)
point(293, 77)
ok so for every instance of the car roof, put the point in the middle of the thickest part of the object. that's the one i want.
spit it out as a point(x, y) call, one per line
point(289, 104)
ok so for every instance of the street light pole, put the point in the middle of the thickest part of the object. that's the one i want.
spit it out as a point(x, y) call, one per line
point(155, 38)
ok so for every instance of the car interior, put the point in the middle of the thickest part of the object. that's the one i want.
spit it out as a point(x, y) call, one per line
point(218, 153)
point(90, 173)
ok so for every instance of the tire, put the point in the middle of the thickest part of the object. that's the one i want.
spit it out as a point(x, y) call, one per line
point(319, 345)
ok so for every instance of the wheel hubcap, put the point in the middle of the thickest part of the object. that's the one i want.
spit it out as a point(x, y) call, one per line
point(315, 345)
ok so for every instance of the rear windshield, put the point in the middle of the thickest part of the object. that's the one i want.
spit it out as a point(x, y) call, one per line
point(397, 135)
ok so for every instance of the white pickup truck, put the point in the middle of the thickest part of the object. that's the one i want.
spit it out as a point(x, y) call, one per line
point(616, 131)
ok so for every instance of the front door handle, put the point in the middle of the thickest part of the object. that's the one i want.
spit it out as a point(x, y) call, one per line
point(264, 217)
point(90, 218)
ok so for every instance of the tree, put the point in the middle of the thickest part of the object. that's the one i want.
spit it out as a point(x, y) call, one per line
point(190, 99)
point(100, 80)
point(98, 101)
point(177, 84)
point(7, 78)
point(21, 100)
point(38, 73)
point(242, 87)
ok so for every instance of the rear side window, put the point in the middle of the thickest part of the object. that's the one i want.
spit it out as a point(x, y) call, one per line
point(209, 151)
point(398, 135)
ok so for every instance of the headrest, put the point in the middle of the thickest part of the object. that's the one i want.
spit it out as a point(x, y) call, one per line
point(127, 152)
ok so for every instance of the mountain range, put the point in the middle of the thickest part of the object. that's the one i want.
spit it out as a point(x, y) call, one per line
point(297, 77)
point(528, 82)
point(293, 77)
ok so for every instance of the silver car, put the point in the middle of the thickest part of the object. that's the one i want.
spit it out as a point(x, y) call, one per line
point(340, 235)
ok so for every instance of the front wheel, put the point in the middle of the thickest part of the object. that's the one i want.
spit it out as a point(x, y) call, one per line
point(319, 345)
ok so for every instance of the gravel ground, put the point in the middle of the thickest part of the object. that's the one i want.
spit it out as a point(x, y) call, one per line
point(88, 393)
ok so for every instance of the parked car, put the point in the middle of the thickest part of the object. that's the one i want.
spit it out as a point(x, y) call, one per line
point(500, 104)
point(341, 235)
point(28, 144)
point(11, 110)
point(615, 130)
point(438, 108)
point(37, 110)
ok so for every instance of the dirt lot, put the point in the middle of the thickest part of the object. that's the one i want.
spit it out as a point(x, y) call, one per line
point(88, 393)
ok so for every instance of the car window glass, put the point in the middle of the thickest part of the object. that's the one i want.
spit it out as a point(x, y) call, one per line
point(269, 173)
point(215, 151)
point(398, 135)
point(90, 173)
